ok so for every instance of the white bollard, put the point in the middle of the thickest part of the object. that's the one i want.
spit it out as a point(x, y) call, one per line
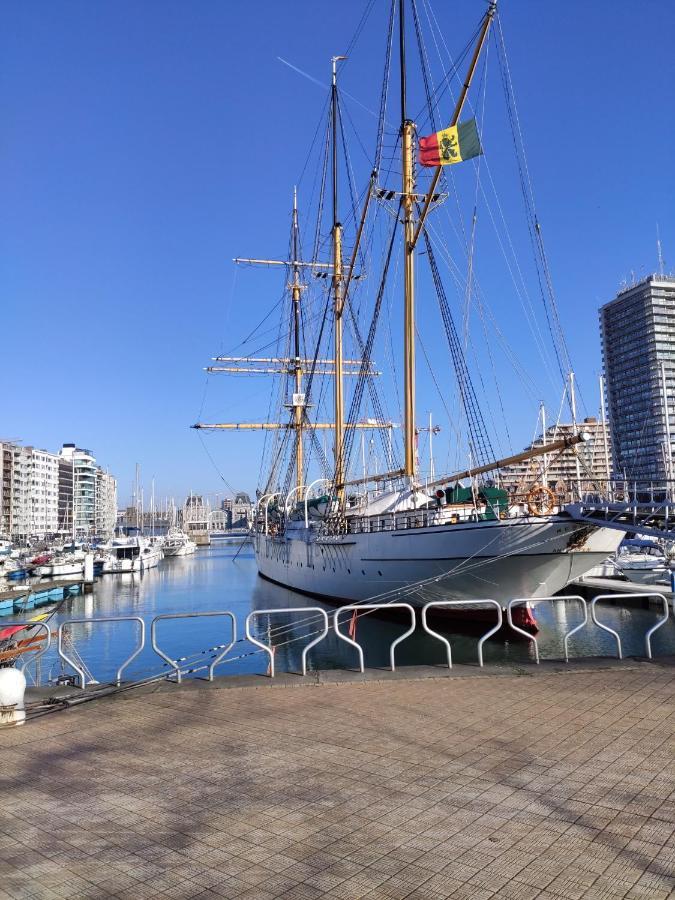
point(12, 690)
point(89, 568)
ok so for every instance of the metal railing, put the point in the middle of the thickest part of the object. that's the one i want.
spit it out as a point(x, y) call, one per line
point(649, 632)
point(78, 668)
point(174, 663)
point(269, 649)
point(532, 637)
point(440, 604)
point(372, 606)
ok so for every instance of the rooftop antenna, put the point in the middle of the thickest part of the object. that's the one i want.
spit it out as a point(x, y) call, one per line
point(659, 253)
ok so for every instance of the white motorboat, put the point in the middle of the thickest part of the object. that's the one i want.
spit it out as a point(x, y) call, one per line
point(62, 565)
point(177, 543)
point(131, 554)
point(643, 561)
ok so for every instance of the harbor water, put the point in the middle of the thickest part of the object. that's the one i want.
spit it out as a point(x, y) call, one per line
point(224, 577)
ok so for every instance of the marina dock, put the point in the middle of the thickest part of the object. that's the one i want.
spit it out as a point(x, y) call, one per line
point(554, 781)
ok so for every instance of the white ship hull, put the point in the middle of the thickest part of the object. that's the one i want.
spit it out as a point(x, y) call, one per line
point(500, 560)
point(61, 569)
point(148, 559)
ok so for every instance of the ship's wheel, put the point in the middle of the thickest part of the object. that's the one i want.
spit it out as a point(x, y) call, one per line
point(540, 500)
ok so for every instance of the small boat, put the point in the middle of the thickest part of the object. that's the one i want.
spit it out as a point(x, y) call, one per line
point(17, 574)
point(131, 554)
point(178, 543)
point(67, 564)
point(41, 559)
point(643, 562)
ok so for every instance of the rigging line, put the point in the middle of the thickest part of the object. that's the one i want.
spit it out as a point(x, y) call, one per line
point(533, 323)
point(535, 329)
point(358, 136)
point(479, 436)
point(531, 217)
point(445, 83)
point(472, 243)
point(385, 88)
point(357, 396)
point(322, 187)
point(326, 87)
point(348, 166)
point(458, 433)
point(214, 464)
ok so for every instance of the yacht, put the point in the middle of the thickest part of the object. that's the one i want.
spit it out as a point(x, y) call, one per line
point(131, 554)
point(177, 543)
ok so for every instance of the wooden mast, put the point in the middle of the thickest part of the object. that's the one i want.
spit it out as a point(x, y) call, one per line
point(337, 304)
point(298, 398)
point(407, 200)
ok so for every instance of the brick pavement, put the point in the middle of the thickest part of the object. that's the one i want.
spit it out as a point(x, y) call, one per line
point(550, 786)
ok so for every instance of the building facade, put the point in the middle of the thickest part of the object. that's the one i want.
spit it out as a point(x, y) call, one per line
point(583, 468)
point(638, 349)
point(106, 503)
point(29, 496)
point(45, 494)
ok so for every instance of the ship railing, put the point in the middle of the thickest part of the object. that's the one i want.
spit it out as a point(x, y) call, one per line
point(175, 663)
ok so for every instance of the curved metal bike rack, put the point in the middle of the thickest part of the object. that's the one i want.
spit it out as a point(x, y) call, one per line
point(291, 609)
point(78, 669)
point(606, 627)
point(532, 637)
point(374, 606)
point(192, 615)
point(650, 631)
point(451, 603)
point(40, 652)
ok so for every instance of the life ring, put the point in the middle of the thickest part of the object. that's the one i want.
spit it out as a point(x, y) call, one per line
point(540, 500)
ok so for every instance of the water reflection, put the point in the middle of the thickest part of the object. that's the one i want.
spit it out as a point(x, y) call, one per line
point(213, 579)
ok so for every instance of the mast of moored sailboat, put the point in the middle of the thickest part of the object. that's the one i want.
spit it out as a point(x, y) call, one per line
point(408, 200)
point(337, 302)
point(413, 229)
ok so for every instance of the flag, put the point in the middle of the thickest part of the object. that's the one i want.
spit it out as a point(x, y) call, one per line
point(452, 145)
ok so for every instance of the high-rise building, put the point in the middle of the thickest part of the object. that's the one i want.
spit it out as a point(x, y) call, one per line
point(29, 493)
point(45, 494)
point(580, 469)
point(84, 488)
point(638, 350)
point(106, 503)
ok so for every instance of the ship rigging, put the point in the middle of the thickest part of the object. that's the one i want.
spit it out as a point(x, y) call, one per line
point(353, 544)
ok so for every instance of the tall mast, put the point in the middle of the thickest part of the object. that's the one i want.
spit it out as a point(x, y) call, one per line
point(408, 199)
point(298, 400)
point(337, 302)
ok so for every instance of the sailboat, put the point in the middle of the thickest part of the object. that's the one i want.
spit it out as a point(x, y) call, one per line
point(362, 538)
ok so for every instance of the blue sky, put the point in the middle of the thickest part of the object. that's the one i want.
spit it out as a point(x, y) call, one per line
point(147, 143)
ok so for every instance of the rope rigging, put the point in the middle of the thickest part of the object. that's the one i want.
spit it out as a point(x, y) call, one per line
point(479, 439)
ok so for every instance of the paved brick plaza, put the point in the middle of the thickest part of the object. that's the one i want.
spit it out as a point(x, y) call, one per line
point(549, 786)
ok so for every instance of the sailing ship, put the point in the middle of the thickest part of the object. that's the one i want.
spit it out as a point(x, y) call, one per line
point(355, 539)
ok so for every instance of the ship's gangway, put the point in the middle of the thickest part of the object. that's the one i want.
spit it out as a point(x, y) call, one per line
point(653, 518)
